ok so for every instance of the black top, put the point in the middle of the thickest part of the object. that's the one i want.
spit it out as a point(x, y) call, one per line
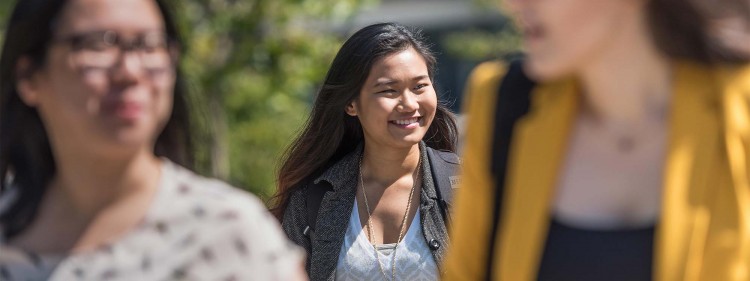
point(582, 254)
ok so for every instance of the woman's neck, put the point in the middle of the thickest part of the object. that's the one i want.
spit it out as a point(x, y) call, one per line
point(629, 83)
point(386, 164)
point(88, 182)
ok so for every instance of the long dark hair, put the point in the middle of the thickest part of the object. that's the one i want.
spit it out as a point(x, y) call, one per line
point(26, 160)
point(329, 133)
point(685, 28)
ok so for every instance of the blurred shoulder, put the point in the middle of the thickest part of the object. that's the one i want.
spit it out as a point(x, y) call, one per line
point(488, 72)
point(191, 193)
point(220, 230)
point(736, 77)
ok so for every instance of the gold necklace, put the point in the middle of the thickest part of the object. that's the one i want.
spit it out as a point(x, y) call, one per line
point(403, 222)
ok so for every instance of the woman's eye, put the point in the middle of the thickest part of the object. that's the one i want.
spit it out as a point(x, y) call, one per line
point(389, 91)
point(91, 44)
point(421, 86)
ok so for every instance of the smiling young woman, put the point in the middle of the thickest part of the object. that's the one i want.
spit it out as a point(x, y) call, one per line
point(376, 157)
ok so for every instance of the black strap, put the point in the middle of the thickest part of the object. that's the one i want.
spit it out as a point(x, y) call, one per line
point(315, 194)
point(513, 100)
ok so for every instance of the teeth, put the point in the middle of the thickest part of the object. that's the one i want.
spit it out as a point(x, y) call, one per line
point(406, 121)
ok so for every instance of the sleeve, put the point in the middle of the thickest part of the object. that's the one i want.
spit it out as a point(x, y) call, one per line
point(294, 221)
point(736, 110)
point(474, 200)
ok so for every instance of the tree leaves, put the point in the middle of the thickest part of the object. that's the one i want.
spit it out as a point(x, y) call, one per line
point(257, 63)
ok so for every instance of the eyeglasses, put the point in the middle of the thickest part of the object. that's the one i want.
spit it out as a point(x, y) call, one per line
point(103, 49)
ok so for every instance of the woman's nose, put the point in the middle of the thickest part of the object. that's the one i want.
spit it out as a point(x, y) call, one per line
point(408, 102)
point(128, 69)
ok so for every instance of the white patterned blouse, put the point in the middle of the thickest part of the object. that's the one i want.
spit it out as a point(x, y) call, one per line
point(196, 229)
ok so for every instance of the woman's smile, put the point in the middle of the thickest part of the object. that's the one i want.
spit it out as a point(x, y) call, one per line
point(406, 123)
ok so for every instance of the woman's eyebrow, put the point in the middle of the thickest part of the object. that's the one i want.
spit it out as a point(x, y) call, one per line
point(384, 82)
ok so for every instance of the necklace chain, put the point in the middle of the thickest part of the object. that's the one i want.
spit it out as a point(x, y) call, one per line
point(403, 222)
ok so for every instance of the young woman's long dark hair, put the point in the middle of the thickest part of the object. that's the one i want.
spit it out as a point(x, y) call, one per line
point(330, 133)
point(686, 29)
point(27, 164)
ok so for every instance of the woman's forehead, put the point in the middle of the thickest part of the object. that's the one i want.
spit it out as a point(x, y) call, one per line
point(406, 61)
point(118, 15)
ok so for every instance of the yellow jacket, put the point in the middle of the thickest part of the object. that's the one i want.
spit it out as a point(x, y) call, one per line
point(704, 228)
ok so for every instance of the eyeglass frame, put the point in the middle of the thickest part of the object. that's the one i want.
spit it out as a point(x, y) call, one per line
point(136, 46)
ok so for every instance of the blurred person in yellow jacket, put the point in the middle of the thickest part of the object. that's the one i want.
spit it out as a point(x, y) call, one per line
point(618, 149)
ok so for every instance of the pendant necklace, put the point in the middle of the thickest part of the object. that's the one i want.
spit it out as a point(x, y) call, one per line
point(403, 222)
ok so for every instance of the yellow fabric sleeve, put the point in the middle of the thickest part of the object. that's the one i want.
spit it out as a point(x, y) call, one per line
point(736, 82)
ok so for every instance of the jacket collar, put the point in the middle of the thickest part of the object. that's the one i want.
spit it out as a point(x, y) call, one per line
point(537, 150)
point(345, 171)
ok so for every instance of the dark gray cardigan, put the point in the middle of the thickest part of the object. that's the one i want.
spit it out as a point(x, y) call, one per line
point(335, 209)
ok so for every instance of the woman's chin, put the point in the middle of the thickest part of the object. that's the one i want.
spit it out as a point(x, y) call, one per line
point(126, 138)
point(539, 69)
point(408, 141)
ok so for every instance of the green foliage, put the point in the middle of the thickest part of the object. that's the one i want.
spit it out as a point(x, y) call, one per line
point(4, 14)
point(489, 3)
point(478, 45)
point(256, 65)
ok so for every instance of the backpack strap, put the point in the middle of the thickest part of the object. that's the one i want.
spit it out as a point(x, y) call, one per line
point(513, 101)
point(314, 197)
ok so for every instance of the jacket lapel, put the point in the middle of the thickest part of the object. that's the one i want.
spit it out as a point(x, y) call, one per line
point(333, 217)
point(433, 225)
point(333, 221)
point(537, 151)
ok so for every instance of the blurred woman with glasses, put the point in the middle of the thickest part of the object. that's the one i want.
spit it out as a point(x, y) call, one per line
point(94, 125)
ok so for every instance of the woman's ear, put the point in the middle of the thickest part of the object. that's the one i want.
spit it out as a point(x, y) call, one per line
point(24, 84)
point(351, 109)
